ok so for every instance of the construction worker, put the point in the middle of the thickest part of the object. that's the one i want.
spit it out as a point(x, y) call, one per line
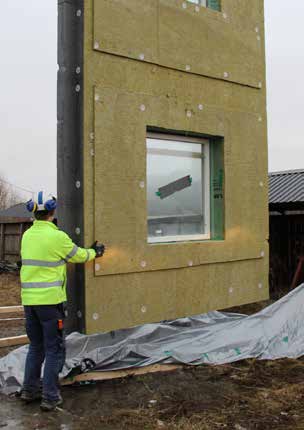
point(45, 250)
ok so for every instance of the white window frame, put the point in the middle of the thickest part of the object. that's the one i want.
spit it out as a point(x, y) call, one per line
point(206, 191)
point(202, 3)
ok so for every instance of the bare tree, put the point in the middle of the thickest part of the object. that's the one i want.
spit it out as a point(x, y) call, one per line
point(8, 195)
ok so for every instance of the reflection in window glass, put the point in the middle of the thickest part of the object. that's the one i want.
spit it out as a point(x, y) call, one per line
point(212, 4)
point(177, 189)
point(201, 2)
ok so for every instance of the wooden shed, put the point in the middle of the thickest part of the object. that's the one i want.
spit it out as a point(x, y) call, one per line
point(286, 210)
point(13, 223)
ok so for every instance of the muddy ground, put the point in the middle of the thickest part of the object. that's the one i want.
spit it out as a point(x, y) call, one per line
point(247, 395)
point(9, 289)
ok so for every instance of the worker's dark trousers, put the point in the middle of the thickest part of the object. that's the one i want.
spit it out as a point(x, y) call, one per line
point(46, 343)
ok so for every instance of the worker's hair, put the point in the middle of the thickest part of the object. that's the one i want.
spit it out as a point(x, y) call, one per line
point(43, 215)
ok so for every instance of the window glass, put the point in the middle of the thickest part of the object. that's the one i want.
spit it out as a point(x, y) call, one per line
point(201, 2)
point(212, 4)
point(177, 189)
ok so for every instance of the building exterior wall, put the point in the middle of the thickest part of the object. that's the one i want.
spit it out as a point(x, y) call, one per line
point(170, 57)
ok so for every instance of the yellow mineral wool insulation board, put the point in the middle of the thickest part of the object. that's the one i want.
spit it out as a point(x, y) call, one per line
point(183, 36)
point(121, 120)
point(126, 89)
point(130, 299)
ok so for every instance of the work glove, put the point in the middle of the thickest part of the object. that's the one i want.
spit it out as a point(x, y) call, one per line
point(99, 248)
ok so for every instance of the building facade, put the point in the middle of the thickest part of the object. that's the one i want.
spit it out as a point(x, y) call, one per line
point(162, 155)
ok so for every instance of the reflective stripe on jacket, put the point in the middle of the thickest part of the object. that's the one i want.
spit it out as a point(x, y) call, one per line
point(45, 250)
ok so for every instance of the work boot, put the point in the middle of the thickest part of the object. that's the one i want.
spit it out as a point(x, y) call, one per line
point(50, 405)
point(28, 396)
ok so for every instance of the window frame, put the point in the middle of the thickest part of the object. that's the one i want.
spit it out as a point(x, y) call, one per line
point(205, 190)
point(204, 3)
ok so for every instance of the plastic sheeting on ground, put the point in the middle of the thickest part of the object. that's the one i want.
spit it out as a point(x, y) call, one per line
point(213, 338)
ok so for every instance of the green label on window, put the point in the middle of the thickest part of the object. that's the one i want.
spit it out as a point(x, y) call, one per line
point(214, 4)
point(217, 189)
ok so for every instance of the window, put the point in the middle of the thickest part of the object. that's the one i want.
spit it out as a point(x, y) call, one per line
point(178, 188)
point(212, 4)
point(200, 2)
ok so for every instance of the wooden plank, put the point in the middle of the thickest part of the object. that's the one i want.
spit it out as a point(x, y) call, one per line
point(11, 310)
point(2, 242)
point(14, 341)
point(11, 233)
point(115, 374)
point(299, 275)
point(21, 231)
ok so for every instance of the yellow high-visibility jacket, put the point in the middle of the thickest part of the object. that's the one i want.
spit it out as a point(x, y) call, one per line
point(45, 250)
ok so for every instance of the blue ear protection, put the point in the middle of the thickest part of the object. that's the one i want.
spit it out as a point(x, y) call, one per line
point(31, 206)
point(49, 205)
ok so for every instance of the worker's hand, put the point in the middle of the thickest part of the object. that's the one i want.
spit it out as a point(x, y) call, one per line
point(99, 248)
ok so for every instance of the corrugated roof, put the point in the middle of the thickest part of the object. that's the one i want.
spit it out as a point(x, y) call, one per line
point(16, 211)
point(286, 186)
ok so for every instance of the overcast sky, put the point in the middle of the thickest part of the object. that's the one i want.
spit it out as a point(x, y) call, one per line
point(28, 66)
